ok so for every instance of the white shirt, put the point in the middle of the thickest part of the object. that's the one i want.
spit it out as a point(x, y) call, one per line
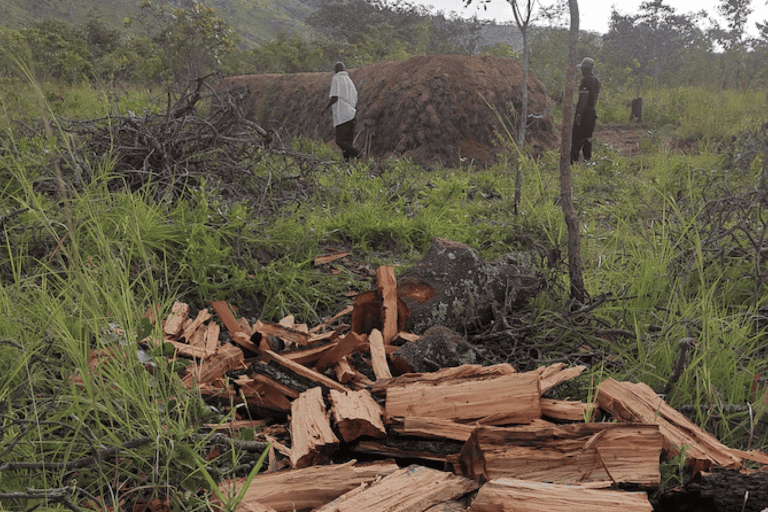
point(343, 87)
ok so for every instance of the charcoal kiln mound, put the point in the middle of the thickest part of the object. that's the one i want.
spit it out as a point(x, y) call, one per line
point(432, 108)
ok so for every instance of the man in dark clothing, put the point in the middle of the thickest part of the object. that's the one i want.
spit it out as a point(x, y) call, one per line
point(343, 99)
point(586, 112)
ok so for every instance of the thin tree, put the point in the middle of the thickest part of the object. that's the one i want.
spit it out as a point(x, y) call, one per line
point(578, 292)
point(523, 20)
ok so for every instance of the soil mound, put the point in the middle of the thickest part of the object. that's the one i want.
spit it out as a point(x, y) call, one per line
point(431, 108)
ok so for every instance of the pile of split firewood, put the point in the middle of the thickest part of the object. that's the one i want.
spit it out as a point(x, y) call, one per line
point(465, 438)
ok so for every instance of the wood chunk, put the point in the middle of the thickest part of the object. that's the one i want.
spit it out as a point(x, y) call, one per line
point(253, 506)
point(567, 410)
point(259, 394)
point(639, 403)
point(410, 489)
point(367, 313)
point(378, 356)
point(602, 453)
point(308, 488)
point(212, 343)
point(309, 356)
point(227, 357)
point(221, 308)
point(515, 398)
point(344, 371)
point(187, 350)
point(245, 326)
point(302, 370)
point(189, 329)
point(509, 495)
point(403, 451)
point(356, 414)
point(287, 334)
point(175, 321)
point(448, 506)
point(312, 440)
point(386, 284)
point(432, 427)
point(347, 344)
point(327, 258)
point(244, 340)
point(272, 383)
point(556, 374)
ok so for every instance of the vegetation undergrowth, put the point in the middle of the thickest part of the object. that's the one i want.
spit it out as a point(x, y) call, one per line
point(672, 246)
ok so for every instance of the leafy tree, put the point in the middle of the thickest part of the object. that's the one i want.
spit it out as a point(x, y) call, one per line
point(190, 41)
point(12, 46)
point(59, 51)
point(732, 39)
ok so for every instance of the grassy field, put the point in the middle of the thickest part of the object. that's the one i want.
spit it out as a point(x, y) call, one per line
point(673, 248)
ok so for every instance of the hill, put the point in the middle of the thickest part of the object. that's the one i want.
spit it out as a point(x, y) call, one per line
point(255, 21)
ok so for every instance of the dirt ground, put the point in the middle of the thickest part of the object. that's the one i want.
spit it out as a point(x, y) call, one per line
point(431, 109)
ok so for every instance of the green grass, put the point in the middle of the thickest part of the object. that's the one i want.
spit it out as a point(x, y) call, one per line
point(81, 265)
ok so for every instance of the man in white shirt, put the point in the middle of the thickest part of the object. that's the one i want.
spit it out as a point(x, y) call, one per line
point(344, 100)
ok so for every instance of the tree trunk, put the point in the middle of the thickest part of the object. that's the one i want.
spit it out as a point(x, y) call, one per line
point(578, 292)
point(522, 121)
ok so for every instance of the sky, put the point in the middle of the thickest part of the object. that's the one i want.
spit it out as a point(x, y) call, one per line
point(595, 14)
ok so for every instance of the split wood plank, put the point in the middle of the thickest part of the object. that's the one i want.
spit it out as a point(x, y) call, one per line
point(327, 323)
point(557, 373)
point(212, 333)
point(411, 489)
point(432, 427)
point(637, 402)
point(312, 439)
point(378, 356)
point(308, 488)
point(753, 455)
point(453, 374)
point(347, 344)
point(302, 370)
point(567, 410)
point(221, 308)
point(392, 452)
point(510, 495)
point(607, 453)
point(515, 398)
point(308, 356)
point(327, 258)
point(175, 321)
point(386, 284)
point(356, 414)
point(287, 334)
point(253, 507)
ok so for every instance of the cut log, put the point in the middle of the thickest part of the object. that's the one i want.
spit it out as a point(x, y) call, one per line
point(312, 440)
point(639, 403)
point(356, 414)
point(175, 321)
point(378, 356)
point(432, 427)
point(411, 489)
point(308, 488)
point(386, 284)
point(510, 495)
point(302, 370)
point(607, 453)
point(514, 398)
point(567, 410)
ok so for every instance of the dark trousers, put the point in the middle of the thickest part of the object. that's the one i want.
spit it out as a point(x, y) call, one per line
point(581, 134)
point(345, 138)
